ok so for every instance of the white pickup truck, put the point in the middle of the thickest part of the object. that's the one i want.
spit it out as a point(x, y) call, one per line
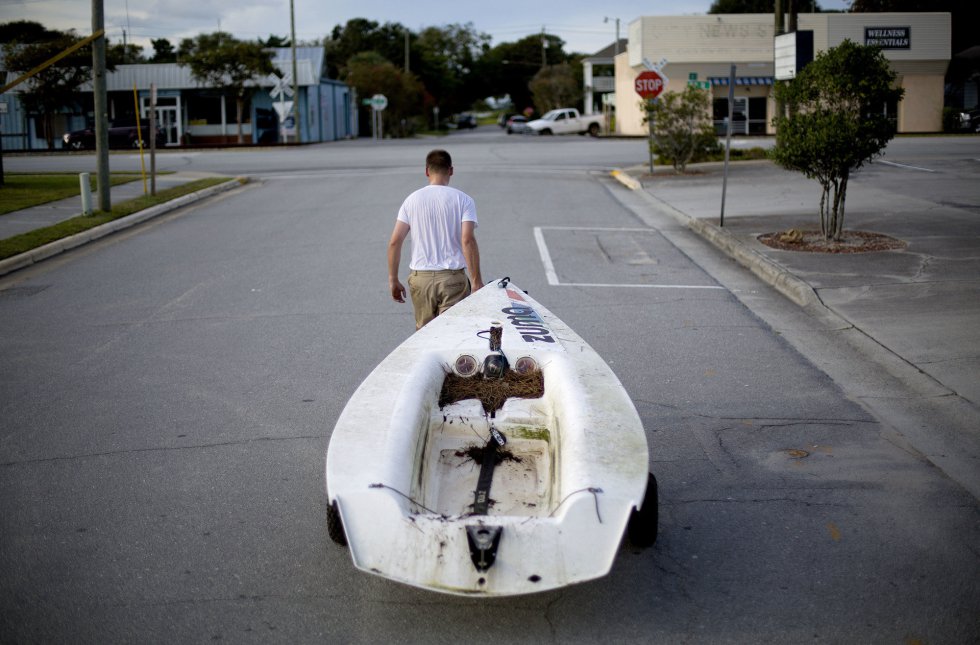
point(566, 121)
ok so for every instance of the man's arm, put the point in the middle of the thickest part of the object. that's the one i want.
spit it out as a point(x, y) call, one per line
point(398, 236)
point(471, 253)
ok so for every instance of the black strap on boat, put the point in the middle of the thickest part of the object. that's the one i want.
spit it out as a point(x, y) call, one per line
point(483, 540)
point(481, 497)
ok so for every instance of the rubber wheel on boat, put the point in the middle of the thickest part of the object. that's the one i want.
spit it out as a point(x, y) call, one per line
point(335, 526)
point(642, 526)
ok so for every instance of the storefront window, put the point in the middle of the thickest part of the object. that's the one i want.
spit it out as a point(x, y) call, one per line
point(204, 110)
point(749, 115)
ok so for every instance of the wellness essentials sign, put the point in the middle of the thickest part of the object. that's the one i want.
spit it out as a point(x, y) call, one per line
point(888, 37)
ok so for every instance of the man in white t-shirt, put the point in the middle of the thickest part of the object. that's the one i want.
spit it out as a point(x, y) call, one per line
point(442, 221)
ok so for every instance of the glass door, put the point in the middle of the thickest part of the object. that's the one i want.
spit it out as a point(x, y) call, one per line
point(740, 116)
point(168, 117)
point(167, 122)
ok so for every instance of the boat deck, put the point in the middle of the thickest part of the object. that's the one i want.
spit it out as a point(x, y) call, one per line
point(449, 468)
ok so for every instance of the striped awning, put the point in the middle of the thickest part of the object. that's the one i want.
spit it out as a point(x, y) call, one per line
point(742, 80)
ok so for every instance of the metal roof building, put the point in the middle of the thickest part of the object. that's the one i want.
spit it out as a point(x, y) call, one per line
point(191, 113)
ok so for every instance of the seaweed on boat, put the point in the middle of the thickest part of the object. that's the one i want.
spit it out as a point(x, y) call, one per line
point(477, 453)
point(491, 392)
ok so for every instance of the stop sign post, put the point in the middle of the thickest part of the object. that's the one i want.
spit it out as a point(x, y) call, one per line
point(649, 85)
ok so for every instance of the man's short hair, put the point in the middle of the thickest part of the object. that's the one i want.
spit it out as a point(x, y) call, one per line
point(438, 161)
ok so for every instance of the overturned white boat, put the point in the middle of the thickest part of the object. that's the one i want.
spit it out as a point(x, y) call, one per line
point(469, 498)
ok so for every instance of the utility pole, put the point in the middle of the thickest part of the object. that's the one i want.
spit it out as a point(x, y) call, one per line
point(296, 106)
point(544, 47)
point(406, 51)
point(779, 30)
point(101, 106)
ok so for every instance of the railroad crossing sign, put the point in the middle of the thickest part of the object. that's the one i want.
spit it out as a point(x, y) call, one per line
point(282, 87)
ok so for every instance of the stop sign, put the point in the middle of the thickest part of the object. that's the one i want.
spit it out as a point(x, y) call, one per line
point(649, 84)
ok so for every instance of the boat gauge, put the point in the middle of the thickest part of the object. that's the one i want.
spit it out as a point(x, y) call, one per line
point(466, 365)
point(525, 364)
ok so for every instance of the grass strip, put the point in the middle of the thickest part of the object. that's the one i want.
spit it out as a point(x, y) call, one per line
point(20, 191)
point(39, 237)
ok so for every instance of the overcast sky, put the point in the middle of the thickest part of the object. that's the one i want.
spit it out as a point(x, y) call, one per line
point(580, 23)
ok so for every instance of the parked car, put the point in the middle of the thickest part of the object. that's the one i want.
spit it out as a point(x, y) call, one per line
point(516, 123)
point(566, 121)
point(970, 120)
point(121, 135)
point(464, 121)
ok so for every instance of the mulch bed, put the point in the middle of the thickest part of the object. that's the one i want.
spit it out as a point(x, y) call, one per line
point(814, 242)
point(491, 392)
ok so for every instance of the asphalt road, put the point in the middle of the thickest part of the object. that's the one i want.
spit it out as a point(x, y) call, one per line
point(168, 393)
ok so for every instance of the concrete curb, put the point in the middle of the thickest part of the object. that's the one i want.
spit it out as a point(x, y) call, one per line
point(910, 402)
point(771, 272)
point(28, 258)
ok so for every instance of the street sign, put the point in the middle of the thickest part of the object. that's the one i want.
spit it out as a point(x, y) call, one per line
point(650, 84)
point(283, 108)
point(701, 85)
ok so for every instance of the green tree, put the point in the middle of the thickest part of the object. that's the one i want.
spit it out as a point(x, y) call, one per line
point(555, 86)
point(508, 68)
point(163, 51)
point(221, 60)
point(275, 41)
point(370, 73)
point(54, 89)
point(836, 122)
point(125, 54)
point(682, 126)
point(26, 31)
point(447, 65)
point(361, 35)
point(761, 6)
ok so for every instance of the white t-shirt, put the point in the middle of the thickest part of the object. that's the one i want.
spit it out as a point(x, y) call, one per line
point(435, 215)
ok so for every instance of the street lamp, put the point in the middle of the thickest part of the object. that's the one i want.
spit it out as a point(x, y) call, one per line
point(616, 44)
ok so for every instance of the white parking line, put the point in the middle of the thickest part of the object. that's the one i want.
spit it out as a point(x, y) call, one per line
point(552, 275)
point(902, 165)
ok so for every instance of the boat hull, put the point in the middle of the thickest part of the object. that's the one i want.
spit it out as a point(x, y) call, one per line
point(403, 473)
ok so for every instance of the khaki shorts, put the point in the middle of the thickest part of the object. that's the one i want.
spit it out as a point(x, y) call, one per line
point(433, 292)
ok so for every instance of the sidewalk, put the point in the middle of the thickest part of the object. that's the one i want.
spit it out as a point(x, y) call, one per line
point(29, 219)
point(911, 316)
point(53, 212)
